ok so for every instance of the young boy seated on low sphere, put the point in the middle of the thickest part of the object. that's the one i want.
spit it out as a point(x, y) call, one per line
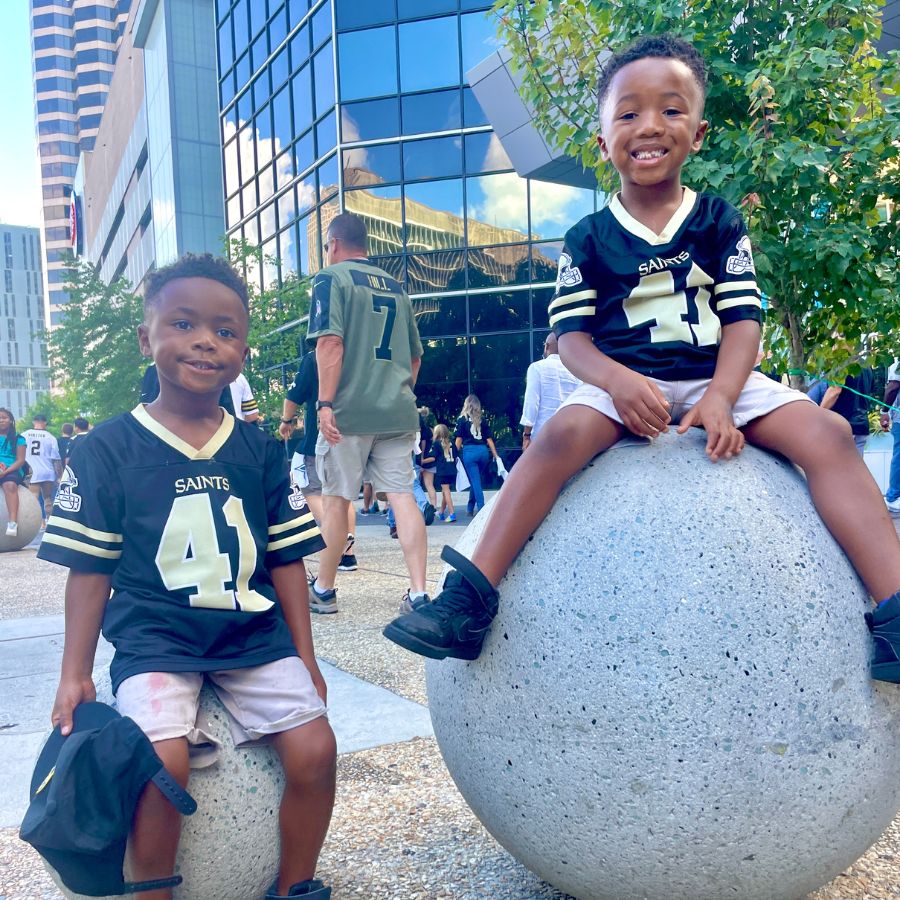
point(189, 516)
point(658, 313)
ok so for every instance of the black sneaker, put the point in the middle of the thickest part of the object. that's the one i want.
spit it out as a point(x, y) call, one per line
point(428, 513)
point(312, 890)
point(323, 602)
point(347, 563)
point(392, 530)
point(884, 623)
point(456, 623)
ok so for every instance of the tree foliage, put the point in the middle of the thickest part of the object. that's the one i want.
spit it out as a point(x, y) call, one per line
point(94, 352)
point(276, 314)
point(804, 135)
point(59, 406)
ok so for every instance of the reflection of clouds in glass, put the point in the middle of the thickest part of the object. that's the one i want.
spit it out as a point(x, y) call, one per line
point(249, 142)
point(495, 157)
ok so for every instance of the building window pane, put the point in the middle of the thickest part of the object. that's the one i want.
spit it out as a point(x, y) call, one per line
point(304, 152)
point(233, 211)
point(308, 244)
point(545, 261)
point(498, 364)
point(257, 15)
point(429, 272)
point(440, 315)
point(555, 208)
point(259, 51)
point(371, 165)
point(287, 252)
point(411, 9)
point(353, 14)
point(306, 193)
point(485, 153)
point(301, 91)
point(367, 63)
point(232, 171)
point(328, 178)
point(370, 120)
point(489, 266)
point(432, 158)
point(473, 114)
point(299, 45)
point(263, 125)
point(429, 54)
point(281, 119)
point(479, 39)
point(280, 68)
point(284, 169)
point(443, 381)
point(497, 209)
point(437, 111)
point(507, 311)
point(540, 307)
point(324, 77)
point(226, 46)
point(326, 134)
point(432, 215)
point(380, 208)
point(266, 182)
point(395, 266)
point(321, 24)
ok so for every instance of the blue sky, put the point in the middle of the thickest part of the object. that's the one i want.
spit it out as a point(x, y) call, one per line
point(20, 187)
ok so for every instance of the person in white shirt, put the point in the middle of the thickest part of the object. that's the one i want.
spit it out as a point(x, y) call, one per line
point(547, 383)
point(42, 454)
point(245, 405)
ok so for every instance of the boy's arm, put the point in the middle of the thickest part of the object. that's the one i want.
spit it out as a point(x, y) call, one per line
point(86, 597)
point(737, 356)
point(637, 399)
point(293, 594)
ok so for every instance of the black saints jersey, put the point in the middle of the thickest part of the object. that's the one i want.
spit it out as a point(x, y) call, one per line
point(188, 537)
point(657, 302)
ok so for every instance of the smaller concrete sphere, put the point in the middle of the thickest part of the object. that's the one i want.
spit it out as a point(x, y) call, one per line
point(29, 520)
point(230, 846)
point(674, 701)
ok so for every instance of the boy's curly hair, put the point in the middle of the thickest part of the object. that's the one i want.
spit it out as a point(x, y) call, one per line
point(666, 46)
point(195, 265)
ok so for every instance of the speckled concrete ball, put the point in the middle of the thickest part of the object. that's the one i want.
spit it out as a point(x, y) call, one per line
point(230, 846)
point(29, 520)
point(674, 700)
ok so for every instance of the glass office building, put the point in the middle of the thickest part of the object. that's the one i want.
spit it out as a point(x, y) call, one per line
point(362, 105)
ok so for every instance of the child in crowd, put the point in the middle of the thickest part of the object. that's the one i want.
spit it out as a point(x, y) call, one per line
point(444, 453)
point(658, 312)
point(189, 516)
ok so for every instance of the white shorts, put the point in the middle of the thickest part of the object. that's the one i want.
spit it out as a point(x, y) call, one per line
point(261, 701)
point(761, 395)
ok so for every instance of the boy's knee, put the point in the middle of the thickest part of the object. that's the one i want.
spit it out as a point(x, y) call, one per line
point(833, 429)
point(308, 753)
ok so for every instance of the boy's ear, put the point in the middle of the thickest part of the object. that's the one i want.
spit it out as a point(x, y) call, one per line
point(702, 128)
point(144, 340)
point(604, 152)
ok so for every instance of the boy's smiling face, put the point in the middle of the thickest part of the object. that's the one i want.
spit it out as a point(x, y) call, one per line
point(196, 333)
point(651, 120)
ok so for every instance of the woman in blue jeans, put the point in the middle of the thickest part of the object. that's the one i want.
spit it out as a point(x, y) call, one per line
point(475, 443)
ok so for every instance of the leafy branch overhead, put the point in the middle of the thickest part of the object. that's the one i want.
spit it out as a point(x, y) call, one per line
point(804, 136)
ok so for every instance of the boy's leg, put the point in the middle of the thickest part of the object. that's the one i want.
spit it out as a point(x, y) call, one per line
point(153, 843)
point(842, 489)
point(457, 622)
point(309, 758)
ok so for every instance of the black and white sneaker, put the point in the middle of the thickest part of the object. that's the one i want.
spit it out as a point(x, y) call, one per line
point(428, 513)
point(322, 602)
point(456, 623)
point(347, 563)
point(407, 605)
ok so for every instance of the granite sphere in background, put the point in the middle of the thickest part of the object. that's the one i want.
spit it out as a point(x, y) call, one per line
point(230, 846)
point(29, 520)
point(674, 700)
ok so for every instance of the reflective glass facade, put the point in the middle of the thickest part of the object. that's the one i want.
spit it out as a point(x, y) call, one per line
point(364, 107)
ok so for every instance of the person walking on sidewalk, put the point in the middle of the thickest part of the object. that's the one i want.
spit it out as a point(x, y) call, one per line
point(547, 384)
point(368, 355)
point(475, 442)
point(42, 454)
point(890, 421)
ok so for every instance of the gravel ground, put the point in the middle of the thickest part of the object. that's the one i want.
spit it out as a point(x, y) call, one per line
point(401, 830)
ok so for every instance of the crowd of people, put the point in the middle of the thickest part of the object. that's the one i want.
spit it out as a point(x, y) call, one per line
point(210, 579)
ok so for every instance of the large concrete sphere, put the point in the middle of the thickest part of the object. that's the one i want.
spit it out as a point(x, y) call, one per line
point(674, 700)
point(29, 520)
point(230, 846)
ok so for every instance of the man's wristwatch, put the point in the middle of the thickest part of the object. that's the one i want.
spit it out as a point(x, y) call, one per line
point(324, 404)
point(288, 421)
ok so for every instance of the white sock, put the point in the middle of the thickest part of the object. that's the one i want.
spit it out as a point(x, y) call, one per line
point(319, 587)
point(416, 595)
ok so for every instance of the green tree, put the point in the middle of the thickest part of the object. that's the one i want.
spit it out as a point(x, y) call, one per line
point(804, 134)
point(59, 406)
point(277, 324)
point(94, 351)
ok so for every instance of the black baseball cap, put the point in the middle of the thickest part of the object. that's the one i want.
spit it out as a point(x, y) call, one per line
point(84, 791)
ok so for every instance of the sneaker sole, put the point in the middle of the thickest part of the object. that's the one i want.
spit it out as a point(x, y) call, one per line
point(323, 610)
point(416, 645)
point(347, 568)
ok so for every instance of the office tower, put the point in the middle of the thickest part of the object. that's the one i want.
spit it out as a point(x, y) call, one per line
point(23, 353)
point(74, 45)
point(341, 104)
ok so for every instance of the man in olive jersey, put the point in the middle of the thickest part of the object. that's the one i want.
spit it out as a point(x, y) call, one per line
point(368, 355)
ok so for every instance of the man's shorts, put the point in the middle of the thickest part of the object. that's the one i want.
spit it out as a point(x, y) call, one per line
point(385, 460)
point(760, 396)
point(261, 700)
point(314, 484)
